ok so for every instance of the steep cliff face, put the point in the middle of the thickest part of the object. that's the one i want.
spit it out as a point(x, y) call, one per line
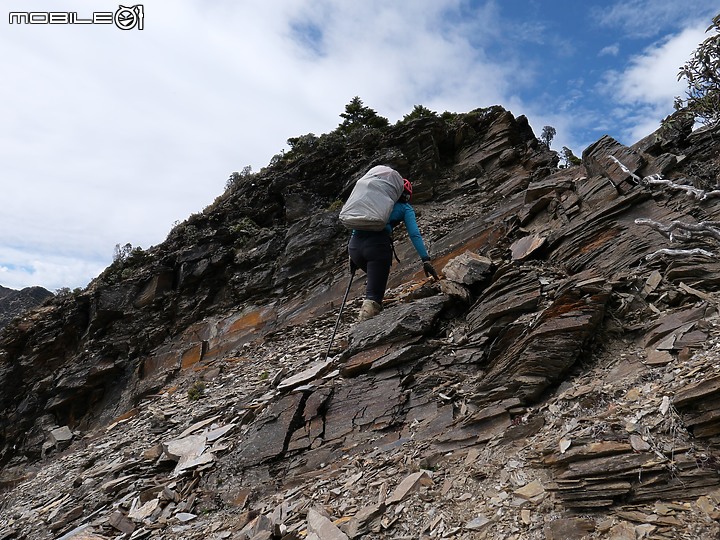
point(14, 303)
point(261, 251)
point(565, 303)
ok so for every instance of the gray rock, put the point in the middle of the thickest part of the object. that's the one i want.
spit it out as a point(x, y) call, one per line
point(323, 528)
point(61, 435)
point(468, 268)
point(397, 323)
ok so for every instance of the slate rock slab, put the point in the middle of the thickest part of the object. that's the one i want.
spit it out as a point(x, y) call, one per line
point(468, 268)
point(598, 160)
point(397, 323)
point(267, 437)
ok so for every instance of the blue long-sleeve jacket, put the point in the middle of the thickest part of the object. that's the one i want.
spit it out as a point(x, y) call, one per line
point(404, 213)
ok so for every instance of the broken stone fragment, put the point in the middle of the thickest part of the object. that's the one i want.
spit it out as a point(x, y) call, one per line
point(477, 524)
point(361, 522)
point(455, 290)
point(215, 434)
point(569, 528)
point(144, 511)
point(118, 484)
point(531, 491)
point(523, 248)
point(83, 532)
point(638, 444)
point(267, 436)
point(651, 284)
point(313, 372)
point(623, 531)
point(410, 483)
point(322, 527)
point(258, 526)
point(193, 445)
point(61, 435)
point(191, 462)
point(397, 323)
point(189, 452)
point(153, 453)
point(68, 517)
point(468, 268)
point(598, 160)
point(118, 521)
point(198, 425)
point(658, 358)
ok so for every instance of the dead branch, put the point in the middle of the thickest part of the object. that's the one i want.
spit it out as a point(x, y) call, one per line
point(680, 253)
point(658, 180)
point(685, 231)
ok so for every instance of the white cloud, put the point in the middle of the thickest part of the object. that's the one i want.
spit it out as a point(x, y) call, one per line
point(610, 50)
point(110, 136)
point(649, 84)
point(645, 18)
point(48, 270)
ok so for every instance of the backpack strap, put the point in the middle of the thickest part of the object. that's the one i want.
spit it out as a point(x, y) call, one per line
point(392, 245)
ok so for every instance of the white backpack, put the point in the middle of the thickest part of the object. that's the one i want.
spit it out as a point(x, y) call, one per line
point(372, 199)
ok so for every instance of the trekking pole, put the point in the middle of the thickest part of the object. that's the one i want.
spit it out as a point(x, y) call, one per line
point(337, 323)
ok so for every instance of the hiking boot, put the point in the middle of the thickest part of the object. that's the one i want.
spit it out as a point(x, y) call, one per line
point(369, 309)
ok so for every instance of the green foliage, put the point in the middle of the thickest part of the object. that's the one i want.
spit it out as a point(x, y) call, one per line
point(335, 206)
point(548, 134)
point(121, 253)
point(358, 116)
point(448, 116)
point(67, 291)
point(191, 234)
point(568, 158)
point(129, 256)
point(126, 261)
point(244, 226)
point(702, 73)
point(303, 143)
point(277, 159)
point(237, 178)
point(196, 391)
point(419, 111)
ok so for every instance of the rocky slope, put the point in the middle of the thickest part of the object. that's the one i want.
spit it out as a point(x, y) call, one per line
point(560, 381)
point(14, 303)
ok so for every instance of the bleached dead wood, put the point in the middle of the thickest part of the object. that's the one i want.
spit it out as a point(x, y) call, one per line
point(625, 169)
point(677, 230)
point(695, 193)
point(658, 180)
point(680, 253)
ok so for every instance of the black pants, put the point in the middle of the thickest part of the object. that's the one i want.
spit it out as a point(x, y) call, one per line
point(372, 253)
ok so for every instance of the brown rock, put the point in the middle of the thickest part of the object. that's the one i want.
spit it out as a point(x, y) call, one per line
point(322, 527)
point(569, 529)
point(530, 491)
point(468, 268)
point(409, 484)
point(361, 522)
point(522, 249)
point(118, 521)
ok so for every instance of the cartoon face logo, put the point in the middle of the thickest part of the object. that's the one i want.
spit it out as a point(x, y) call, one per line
point(127, 18)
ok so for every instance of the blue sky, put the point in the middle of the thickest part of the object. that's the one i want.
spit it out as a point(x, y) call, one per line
point(111, 136)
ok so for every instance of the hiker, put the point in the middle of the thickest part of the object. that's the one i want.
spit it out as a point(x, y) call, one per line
point(372, 251)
